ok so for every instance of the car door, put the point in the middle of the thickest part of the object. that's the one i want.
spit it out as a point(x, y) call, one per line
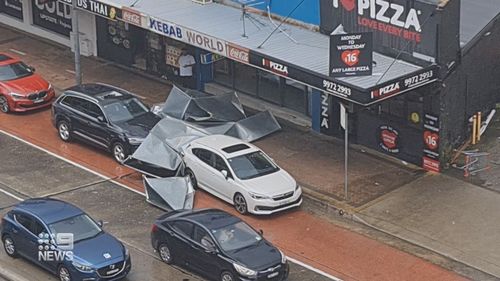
point(201, 165)
point(204, 257)
point(98, 126)
point(28, 240)
point(75, 113)
point(225, 186)
point(181, 239)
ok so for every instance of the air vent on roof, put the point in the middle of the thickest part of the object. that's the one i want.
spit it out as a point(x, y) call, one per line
point(203, 1)
point(236, 147)
point(4, 58)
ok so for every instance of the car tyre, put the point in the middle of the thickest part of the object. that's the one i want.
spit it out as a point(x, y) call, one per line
point(9, 246)
point(64, 130)
point(64, 274)
point(192, 177)
point(4, 105)
point(227, 276)
point(119, 152)
point(240, 203)
point(165, 253)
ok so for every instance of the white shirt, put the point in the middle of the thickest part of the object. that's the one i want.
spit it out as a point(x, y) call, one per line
point(183, 61)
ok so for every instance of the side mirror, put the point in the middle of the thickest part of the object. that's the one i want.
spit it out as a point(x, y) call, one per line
point(31, 68)
point(261, 232)
point(100, 223)
point(224, 173)
point(101, 119)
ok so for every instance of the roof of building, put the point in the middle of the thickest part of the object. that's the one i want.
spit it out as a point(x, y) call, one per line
point(475, 15)
point(309, 51)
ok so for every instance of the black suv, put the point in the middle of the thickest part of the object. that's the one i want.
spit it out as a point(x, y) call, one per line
point(105, 116)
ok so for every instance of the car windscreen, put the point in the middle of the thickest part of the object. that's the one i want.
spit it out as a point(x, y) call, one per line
point(252, 165)
point(14, 71)
point(124, 110)
point(82, 227)
point(236, 236)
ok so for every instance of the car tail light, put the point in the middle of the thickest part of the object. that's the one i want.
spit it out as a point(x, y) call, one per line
point(154, 228)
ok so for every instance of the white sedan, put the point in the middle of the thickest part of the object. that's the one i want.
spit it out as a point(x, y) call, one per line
point(240, 174)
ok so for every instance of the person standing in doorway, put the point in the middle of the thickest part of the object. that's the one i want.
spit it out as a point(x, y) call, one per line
point(186, 63)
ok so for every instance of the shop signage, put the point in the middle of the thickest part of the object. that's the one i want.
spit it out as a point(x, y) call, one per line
point(237, 53)
point(131, 16)
point(398, 24)
point(275, 67)
point(351, 54)
point(325, 123)
point(430, 159)
point(404, 84)
point(54, 16)
point(12, 8)
point(205, 42)
point(165, 28)
point(98, 8)
point(388, 139)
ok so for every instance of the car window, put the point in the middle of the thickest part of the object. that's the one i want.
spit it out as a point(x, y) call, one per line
point(220, 164)
point(236, 236)
point(252, 165)
point(94, 110)
point(14, 71)
point(184, 228)
point(77, 103)
point(23, 220)
point(31, 224)
point(125, 110)
point(202, 237)
point(204, 155)
point(37, 228)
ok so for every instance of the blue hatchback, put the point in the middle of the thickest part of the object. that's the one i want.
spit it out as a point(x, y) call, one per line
point(63, 239)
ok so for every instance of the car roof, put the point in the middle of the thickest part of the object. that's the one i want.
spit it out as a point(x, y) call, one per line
point(49, 210)
point(101, 93)
point(6, 59)
point(226, 145)
point(209, 218)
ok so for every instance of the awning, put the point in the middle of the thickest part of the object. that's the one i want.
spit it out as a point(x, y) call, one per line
point(219, 29)
point(175, 193)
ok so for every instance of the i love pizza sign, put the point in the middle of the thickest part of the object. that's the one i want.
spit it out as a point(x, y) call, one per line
point(351, 54)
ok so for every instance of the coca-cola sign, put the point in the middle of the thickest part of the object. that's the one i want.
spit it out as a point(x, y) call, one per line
point(237, 53)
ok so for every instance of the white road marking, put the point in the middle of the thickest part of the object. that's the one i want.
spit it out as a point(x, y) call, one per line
point(318, 271)
point(70, 71)
point(18, 52)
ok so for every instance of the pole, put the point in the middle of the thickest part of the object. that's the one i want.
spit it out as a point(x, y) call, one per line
point(76, 38)
point(346, 149)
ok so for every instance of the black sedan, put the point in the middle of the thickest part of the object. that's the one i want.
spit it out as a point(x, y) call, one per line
point(105, 116)
point(217, 245)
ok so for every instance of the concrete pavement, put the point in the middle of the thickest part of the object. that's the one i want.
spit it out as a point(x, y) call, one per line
point(444, 214)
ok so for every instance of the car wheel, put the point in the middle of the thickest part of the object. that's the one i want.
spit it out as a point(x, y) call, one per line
point(9, 246)
point(227, 276)
point(4, 105)
point(119, 152)
point(64, 131)
point(191, 176)
point(165, 253)
point(64, 274)
point(240, 204)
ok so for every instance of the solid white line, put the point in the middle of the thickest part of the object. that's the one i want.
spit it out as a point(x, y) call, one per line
point(138, 192)
point(11, 195)
point(70, 71)
point(18, 52)
point(314, 269)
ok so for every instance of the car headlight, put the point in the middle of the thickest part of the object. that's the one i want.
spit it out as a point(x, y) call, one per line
point(135, 140)
point(82, 267)
point(283, 257)
point(259, 196)
point(244, 271)
point(127, 253)
point(17, 96)
point(297, 187)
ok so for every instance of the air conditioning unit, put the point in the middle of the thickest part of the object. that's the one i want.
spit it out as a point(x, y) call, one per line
point(203, 1)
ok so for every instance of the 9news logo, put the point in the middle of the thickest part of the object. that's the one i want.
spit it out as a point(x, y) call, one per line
point(55, 247)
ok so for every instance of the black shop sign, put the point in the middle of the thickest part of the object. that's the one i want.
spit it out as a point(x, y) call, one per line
point(430, 158)
point(351, 54)
point(54, 16)
point(100, 9)
point(12, 8)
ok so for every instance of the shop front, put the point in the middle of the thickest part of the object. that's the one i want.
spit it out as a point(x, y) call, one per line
point(13, 8)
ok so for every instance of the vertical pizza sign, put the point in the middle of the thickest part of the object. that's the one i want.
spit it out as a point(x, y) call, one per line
point(351, 54)
point(430, 158)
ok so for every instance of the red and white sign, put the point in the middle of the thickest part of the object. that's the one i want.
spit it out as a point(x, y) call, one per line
point(386, 91)
point(431, 140)
point(275, 67)
point(131, 16)
point(238, 53)
point(389, 138)
point(430, 164)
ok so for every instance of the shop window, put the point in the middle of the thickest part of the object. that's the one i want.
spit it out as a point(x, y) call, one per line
point(295, 96)
point(223, 72)
point(245, 79)
point(12, 8)
point(269, 87)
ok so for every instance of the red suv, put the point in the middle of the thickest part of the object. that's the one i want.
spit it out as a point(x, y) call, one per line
point(20, 88)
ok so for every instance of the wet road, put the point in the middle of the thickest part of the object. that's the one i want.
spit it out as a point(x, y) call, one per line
point(126, 214)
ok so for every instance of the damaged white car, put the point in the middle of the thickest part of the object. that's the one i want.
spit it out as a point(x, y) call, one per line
point(240, 174)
